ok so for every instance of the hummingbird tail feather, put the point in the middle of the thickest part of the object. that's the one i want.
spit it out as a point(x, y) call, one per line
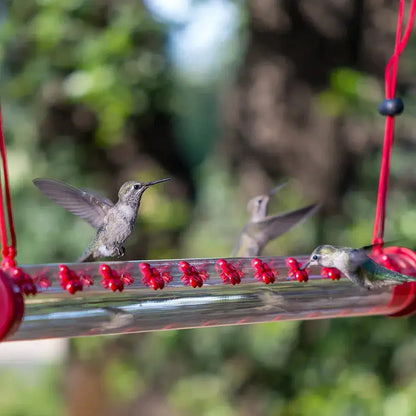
point(406, 278)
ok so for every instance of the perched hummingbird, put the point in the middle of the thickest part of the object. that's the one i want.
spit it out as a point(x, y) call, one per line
point(262, 228)
point(114, 223)
point(357, 266)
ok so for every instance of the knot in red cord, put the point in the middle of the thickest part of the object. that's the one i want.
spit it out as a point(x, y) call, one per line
point(9, 254)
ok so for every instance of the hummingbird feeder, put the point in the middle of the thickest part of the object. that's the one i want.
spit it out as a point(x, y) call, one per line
point(81, 299)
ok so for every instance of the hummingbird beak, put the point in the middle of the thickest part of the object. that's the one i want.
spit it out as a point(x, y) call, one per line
point(277, 188)
point(304, 266)
point(155, 182)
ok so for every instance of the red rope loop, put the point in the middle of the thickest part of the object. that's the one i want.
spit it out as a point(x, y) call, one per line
point(8, 250)
point(390, 87)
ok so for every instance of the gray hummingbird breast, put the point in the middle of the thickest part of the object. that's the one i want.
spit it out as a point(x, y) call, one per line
point(248, 246)
point(119, 225)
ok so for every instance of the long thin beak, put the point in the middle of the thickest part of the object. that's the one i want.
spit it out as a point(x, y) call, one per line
point(155, 182)
point(277, 188)
point(304, 266)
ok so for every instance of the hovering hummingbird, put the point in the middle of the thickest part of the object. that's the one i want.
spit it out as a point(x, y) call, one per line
point(357, 266)
point(261, 228)
point(113, 222)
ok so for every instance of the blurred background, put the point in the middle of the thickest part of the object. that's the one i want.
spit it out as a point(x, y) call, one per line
point(228, 98)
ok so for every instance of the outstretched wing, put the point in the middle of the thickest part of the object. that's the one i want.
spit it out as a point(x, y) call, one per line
point(89, 206)
point(276, 225)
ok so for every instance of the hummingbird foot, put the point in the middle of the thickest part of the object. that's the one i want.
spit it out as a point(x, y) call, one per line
point(121, 251)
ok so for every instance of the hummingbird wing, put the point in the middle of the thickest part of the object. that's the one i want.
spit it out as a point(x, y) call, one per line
point(98, 196)
point(85, 204)
point(379, 276)
point(274, 226)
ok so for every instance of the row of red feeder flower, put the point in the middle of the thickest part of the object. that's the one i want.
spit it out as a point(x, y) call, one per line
point(72, 282)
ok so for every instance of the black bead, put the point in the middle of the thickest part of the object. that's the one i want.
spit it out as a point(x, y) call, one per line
point(391, 107)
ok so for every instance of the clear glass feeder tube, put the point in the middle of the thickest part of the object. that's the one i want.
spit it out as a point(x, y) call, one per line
point(55, 313)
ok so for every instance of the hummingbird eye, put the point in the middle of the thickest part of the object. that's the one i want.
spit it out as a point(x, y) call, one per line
point(314, 257)
point(136, 186)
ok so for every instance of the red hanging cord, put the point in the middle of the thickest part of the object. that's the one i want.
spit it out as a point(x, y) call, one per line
point(8, 251)
point(390, 87)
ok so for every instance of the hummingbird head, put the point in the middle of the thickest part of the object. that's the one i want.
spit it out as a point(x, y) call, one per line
point(257, 207)
point(325, 256)
point(131, 192)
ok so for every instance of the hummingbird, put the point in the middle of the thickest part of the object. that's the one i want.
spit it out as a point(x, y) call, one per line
point(356, 266)
point(261, 228)
point(113, 222)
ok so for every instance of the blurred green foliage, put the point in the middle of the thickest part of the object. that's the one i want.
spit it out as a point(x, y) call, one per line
point(30, 391)
point(77, 98)
point(350, 91)
point(70, 92)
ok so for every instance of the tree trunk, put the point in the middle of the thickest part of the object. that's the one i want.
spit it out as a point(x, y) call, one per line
point(275, 123)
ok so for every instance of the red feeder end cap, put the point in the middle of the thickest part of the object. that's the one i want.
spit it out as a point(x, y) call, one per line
point(12, 307)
